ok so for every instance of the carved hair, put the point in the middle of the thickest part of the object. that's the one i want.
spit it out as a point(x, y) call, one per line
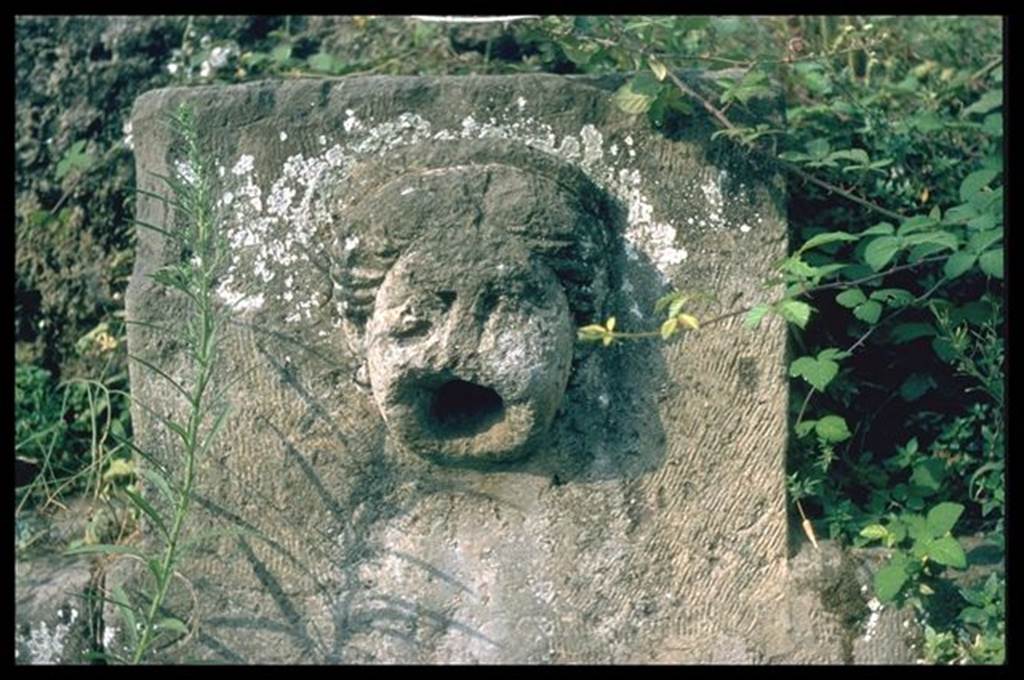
point(478, 189)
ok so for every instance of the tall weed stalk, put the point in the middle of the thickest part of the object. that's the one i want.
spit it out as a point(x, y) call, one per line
point(201, 254)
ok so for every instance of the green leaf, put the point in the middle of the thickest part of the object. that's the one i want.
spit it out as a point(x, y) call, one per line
point(880, 251)
point(894, 297)
point(993, 125)
point(795, 312)
point(947, 551)
point(754, 316)
point(906, 332)
point(943, 517)
point(104, 549)
point(281, 53)
point(804, 427)
point(874, 532)
point(981, 240)
point(928, 474)
point(882, 228)
point(637, 95)
point(992, 263)
point(669, 327)
point(127, 612)
point(818, 148)
point(172, 624)
point(869, 312)
point(816, 372)
point(159, 482)
point(832, 429)
point(916, 385)
point(888, 581)
point(975, 182)
point(323, 62)
point(959, 263)
point(917, 527)
point(851, 298)
point(149, 510)
point(943, 239)
point(823, 239)
point(916, 223)
point(990, 100)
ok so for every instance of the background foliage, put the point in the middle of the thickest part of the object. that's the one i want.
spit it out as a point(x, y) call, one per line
point(892, 139)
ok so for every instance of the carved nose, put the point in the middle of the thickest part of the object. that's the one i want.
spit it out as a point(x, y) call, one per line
point(463, 409)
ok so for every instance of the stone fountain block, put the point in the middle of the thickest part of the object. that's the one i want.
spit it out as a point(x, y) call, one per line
point(422, 464)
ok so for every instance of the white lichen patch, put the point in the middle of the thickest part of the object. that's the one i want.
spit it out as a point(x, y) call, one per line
point(274, 223)
point(46, 647)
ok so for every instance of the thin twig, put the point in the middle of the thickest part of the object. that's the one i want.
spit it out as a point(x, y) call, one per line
point(791, 167)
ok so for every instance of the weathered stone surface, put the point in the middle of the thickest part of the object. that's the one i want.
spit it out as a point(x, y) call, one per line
point(424, 468)
point(51, 611)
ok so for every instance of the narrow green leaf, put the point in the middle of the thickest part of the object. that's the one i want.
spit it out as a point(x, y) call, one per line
point(181, 390)
point(153, 227)
point(126, 610)
point(906, 332)
point(826, 238)
point(172, 624)
point(874, 532)
point(943, 517)
point(105, 549)
point(916, 385)
point(894, 297)
point(159, 482)
point(149, 510)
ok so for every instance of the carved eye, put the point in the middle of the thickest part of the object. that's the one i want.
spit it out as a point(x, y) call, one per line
point(420, 314)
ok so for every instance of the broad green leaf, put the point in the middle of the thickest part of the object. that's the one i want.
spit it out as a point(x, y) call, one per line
point(928, 474)
point(992, 263)
point(795, 312)
point(888, 582)
point(947, 551)
point(943, 517)
point(916, 223)
point(804, 427)
point(975, 182)
point(917, 527)
point(973, 615)
point(981, 240)
point(990, 100)
point(869, 312)
point(851, 298)
point(637, 95)
point(959, 263)
point(754, 316)
point(906, 332)
point(993, 125)
point(818, 148)
point(882, 228)
point(944, 239)
point(894, 297)
point(915, 386)
point(832, 429)
point(880, 251)
point(816, 372)
point(828, 237)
